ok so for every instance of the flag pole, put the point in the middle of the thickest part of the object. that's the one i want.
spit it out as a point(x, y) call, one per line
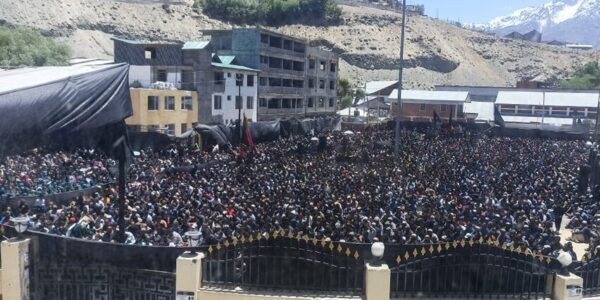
point(399, 101)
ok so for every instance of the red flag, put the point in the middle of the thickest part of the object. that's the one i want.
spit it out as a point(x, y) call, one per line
point(247, 133)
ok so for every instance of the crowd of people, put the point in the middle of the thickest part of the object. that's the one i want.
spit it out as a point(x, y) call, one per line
point(49, 173)
point(441, 188)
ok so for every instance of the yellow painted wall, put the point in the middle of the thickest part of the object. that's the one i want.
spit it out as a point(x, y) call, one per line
point(161, 117)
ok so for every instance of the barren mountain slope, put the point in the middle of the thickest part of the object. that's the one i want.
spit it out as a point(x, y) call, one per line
point(436, 53)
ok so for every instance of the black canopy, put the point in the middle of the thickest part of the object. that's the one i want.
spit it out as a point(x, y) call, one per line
point(74, 106)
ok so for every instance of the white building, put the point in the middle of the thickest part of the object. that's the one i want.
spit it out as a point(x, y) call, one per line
point(236, 100)
point(549, 108)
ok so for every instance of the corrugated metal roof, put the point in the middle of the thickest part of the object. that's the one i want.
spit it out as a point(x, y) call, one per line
point(195, 45)
point(142, 42)
point(551, 99)
point(538, 120)
point(430, 96)
point(484, 110)
point(234, 67)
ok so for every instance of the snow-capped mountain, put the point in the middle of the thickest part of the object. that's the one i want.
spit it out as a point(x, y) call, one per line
point(572, 21)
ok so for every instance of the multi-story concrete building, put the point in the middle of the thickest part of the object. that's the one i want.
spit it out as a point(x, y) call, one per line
point(172, 112)
point(193, 67)
point(295, 79)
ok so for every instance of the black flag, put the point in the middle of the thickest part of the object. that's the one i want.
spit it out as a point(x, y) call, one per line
point(450, 119)
point(436, 118)
point(498, 117)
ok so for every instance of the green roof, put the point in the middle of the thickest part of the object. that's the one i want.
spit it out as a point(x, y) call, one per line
point(234, 67)
point(195, 45)
point(227, 59)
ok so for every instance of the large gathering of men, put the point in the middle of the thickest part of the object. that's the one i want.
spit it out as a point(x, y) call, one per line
point(441, 188)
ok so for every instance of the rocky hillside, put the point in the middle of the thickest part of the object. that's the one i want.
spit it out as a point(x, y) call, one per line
point(367, 41)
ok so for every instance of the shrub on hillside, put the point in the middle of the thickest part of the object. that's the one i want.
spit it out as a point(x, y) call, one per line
point(271, 12)
point(24, 47)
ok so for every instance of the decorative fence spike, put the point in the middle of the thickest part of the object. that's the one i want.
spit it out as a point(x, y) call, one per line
point(398, 259)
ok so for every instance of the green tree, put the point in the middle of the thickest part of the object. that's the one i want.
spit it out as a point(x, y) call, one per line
point(345, 102)
point(358, 95)
point(586, 77)
point(343, 88)
point(24, 47)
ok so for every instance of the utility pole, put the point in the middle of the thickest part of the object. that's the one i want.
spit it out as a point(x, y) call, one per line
point(399, 101)
point(239, 80)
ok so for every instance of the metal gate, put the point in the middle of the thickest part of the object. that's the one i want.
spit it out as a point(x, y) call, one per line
point(590, 272)
point(471, 269)
point(284, 260)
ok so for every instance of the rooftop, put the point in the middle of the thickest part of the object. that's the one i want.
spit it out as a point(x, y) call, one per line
point(570, 99)
point(195, 45)
point(430, 96)
point(143, 42)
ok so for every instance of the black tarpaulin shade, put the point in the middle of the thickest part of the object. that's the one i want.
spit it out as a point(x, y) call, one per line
point(73, 106)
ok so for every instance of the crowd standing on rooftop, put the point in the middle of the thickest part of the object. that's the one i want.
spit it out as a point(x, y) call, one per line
point(442, 188)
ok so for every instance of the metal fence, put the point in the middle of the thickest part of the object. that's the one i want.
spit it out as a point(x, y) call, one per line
point(590, 272)
point(471, 269)
point(285, 261)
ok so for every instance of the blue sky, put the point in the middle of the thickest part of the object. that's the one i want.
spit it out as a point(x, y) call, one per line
point(473, 11)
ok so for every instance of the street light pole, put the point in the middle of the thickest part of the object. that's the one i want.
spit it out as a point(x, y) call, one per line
point(399, 101)
point(239, 82)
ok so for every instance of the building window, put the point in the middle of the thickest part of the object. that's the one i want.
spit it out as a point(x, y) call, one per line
point(249, 102)
point(250, 80)
point(274, 103)
point(264, 60)
point(311, 83)
point(443, 107)
point(264, 38)
point(169, 102)
point(321, 102)
point(311, 64)
point(170, 129)
point(287, 64)
point(219, 79)
point(228, 75)
point(239, 79)
point(322, 65)
point(298, 83)
point(228, 97)
point(183, 127)
point(311, 102)
point(150, 53)
point(262, 102)
point(332, 68)
point(262, 81)
point(153, 128)
point(287, 44)
point(217, 102)
point(274, 81)
point(331, 102)
point(152, 102)
point(332, 84)
point(186, 103)
point(286, 82)
point(298, 66)
point(422, 107)
point(161, 75)
point(285, 103)
point(238, 102)
point(275, 63)
point(299, 47)
point(322, 84)
point(275, 42)
point(299, 103)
